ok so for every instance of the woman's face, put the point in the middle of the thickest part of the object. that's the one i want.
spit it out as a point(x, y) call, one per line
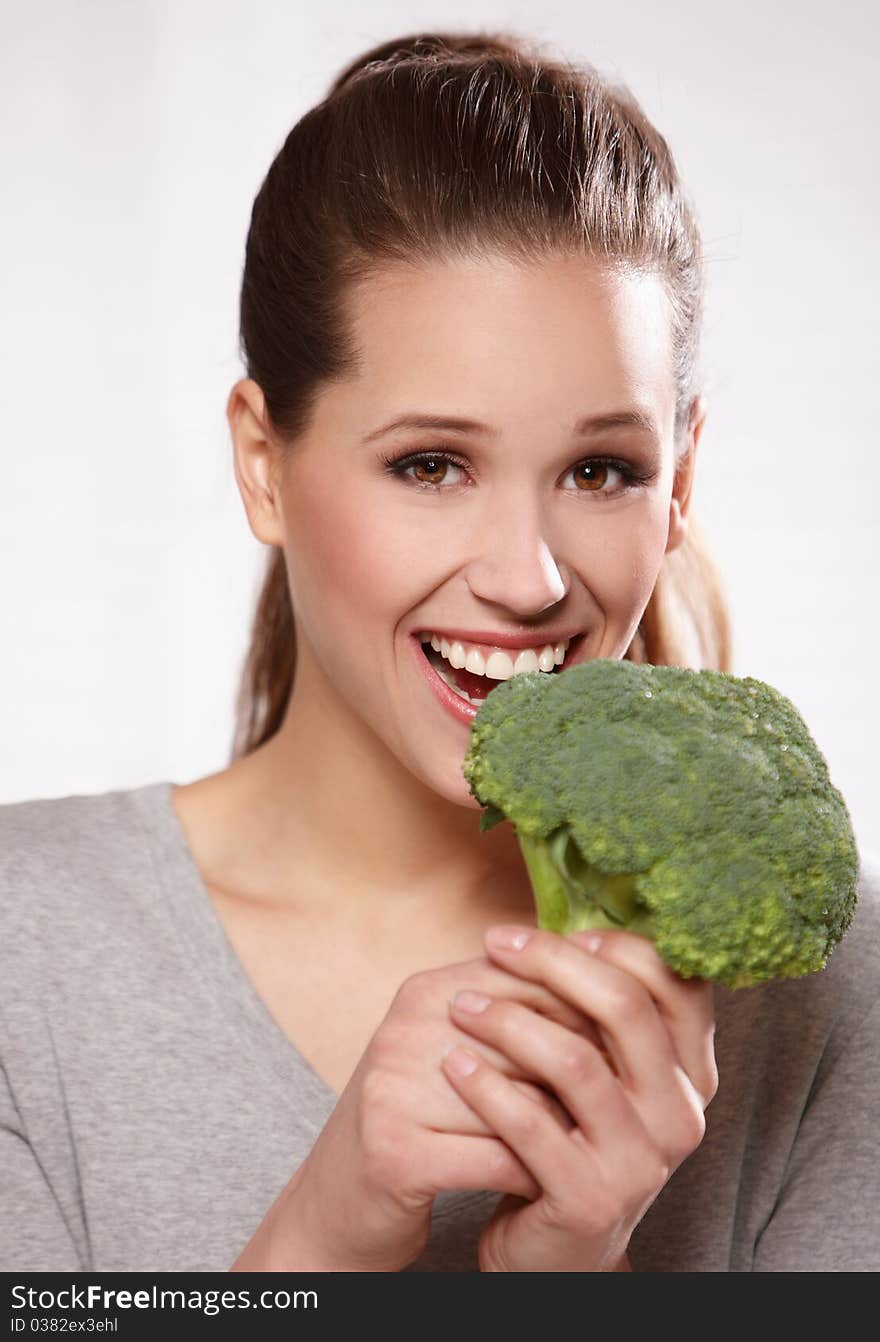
point(530, 531)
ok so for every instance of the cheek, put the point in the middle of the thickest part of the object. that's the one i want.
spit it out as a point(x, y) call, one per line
point(349, 554)
point(619, 560)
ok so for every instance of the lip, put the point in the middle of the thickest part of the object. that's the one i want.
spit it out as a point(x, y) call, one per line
point(536, 638)
point(459, 708)
point(454, 704)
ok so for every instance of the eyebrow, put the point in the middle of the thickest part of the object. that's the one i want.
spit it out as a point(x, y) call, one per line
point(589, 424)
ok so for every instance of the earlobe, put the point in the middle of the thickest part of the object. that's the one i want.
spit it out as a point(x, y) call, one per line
point(253, 460)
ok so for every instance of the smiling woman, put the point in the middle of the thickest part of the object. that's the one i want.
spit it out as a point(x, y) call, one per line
point(468, 432)
point(585, 178)
point(524, 517)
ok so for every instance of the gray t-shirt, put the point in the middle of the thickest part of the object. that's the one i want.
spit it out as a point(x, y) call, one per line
point(151, 1108)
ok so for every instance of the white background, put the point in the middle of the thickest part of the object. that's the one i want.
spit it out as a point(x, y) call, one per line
point(134, 138)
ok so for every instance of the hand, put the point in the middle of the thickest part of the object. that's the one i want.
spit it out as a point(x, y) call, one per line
point(632, 1112)
point(399, 1134)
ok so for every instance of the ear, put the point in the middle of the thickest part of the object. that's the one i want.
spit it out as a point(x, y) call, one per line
point(682, 487)
point(255, 460)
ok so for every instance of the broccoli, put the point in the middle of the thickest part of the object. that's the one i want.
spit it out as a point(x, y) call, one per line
point(692, 807)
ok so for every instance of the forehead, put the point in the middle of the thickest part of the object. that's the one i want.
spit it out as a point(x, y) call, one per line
point(513, 334)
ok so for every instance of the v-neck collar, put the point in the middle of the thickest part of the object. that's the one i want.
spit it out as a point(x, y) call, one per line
point(193, 910)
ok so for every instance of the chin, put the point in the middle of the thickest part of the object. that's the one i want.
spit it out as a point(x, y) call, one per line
point(452, 787)
point(460, 795)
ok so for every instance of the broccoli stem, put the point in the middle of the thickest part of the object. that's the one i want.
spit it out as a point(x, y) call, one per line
point(581, 899)
point(551, 895)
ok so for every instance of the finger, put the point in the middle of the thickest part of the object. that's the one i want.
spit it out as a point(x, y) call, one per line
point(499, 982)
point(665, 1098)
point(547, 1004)
point(511, 1069)
point(548, 1101)
point(590, 1092)
point(557, 1161)
point(454, 1162)
point(618, 1002)
point(686, 1005)
point(470, 1124)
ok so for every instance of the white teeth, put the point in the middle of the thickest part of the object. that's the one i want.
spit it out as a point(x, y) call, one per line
point(475, 662)
point(499, 665)
point(527, 660)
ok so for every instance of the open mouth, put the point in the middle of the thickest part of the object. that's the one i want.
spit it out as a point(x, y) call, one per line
point(475, 688)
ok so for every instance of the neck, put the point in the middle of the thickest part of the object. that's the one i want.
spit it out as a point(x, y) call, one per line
point(324, 806)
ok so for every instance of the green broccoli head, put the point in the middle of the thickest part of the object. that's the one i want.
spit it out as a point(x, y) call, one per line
point(693, 807)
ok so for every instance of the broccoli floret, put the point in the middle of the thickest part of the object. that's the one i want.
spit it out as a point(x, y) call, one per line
point(692, 807)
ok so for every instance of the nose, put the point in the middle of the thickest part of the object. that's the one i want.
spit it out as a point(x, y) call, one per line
point(514, 567)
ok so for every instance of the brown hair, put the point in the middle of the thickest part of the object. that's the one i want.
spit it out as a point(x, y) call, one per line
point(441, 144)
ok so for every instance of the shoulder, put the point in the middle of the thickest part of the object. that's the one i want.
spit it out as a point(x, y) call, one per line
point(69, 837)
point(850, 981)
point(867, 915)
point(65, 860)
point(853, 970)
point(815, 1016)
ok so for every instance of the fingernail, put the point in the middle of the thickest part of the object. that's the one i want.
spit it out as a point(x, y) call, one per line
point(588, 941)
point(460, 1062)
point(508, 938)
point(468, 1001)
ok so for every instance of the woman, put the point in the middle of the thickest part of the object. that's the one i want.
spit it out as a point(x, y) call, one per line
point(300, 1016)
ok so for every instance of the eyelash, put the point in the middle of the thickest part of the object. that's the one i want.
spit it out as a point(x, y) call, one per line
point(397, 466)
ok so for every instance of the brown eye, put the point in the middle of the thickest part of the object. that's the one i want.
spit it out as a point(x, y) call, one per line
point(429, 467)
point(425, 470)
point(594, 475)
